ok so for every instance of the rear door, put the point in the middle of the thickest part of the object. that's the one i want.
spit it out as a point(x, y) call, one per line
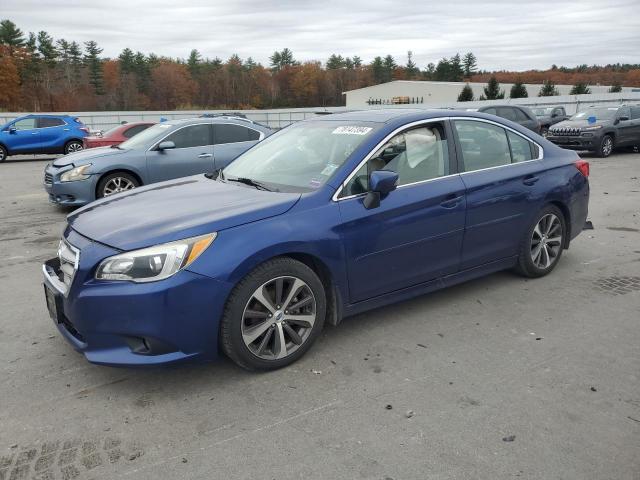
point(25, 138)
point(504, 182)
point(193, 153)
point(231, 140)
point(626, 134)
point(53, 133)
point(635, 119)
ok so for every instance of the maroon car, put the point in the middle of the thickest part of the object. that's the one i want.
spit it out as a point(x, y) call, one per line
point(116, 135)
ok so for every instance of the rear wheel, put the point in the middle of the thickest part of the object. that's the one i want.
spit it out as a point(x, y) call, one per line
point(3, 153)
point(115, 183)
point(542, 245)
point(73, 146)
point(606, 146)
point(273, 315)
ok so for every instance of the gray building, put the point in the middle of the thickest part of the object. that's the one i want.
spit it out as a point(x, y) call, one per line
point(417, 91)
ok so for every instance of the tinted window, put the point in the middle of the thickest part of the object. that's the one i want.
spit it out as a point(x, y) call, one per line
point(228, 133)
point(624, 112)
point(520, 115)
point(26, 124)
point(45, 122)
point(520, 148)
point(490, 111)
point(135, 130)
point(415, 155)
point(483, 145)
point(558, 111)
point(508, 113)
point(635, 113)
point(192, 136)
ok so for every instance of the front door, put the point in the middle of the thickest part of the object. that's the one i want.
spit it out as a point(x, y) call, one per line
point(415, 234)
point(193, 154)
point(503, 183)
point(25, 138)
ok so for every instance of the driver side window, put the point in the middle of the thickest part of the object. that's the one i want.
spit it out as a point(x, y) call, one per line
point(416, 155)
point(26, 124)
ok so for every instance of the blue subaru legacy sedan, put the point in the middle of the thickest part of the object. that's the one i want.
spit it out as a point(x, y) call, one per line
point(325, 219)
point(162, 152)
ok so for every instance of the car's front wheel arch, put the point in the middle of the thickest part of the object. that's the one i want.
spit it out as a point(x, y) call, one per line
point(112, 172)
point(6, 152)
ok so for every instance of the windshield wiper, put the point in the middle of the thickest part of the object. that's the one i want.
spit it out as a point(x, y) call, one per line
point(250, 182)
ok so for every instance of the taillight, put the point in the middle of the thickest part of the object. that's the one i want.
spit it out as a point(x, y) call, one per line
point(583, 166)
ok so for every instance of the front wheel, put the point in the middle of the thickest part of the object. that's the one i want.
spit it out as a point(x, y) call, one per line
point(543, 242)
point(273, 315)
point(3, 153)
point(606, 146)
point(73, 146)
point(115, 183)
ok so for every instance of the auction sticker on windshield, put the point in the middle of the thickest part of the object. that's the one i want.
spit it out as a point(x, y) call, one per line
point(351, 130)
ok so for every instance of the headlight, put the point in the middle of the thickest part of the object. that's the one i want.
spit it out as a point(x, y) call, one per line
point(154, 263)
point(594, 127)
point(75, 174)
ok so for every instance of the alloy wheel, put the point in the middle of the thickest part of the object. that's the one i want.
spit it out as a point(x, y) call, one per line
point(546, 241)
point(607, 146)
point(116, 185)
point(278, 318)
point(74, 147)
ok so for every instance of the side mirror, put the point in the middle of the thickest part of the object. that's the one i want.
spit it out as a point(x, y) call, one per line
point(381, 183)
point(166, 145)
point(12, 129)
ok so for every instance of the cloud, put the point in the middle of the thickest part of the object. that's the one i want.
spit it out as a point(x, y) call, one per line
point(502, 34)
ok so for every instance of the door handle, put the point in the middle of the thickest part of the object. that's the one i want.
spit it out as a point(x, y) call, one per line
point(451, 201)
point(205, 155)
point(530, 180)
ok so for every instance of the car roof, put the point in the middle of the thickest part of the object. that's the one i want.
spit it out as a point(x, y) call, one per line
point(401, 115)
point(221, 119)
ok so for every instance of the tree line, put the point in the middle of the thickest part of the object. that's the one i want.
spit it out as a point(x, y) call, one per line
point(40, 73)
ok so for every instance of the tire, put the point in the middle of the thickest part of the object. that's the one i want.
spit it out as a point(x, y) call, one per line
point(73, 146)
point(3, 154)
point(606, 146)
point(260, 348)
point(115, 183)
point(535, 261)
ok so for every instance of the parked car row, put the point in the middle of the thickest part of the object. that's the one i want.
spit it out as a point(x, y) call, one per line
point(324, 219)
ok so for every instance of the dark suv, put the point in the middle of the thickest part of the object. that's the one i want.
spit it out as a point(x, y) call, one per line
point(516, 113)
point(599, 129)
point(548, 116)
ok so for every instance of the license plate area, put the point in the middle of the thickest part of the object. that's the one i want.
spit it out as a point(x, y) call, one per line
point(54, 304)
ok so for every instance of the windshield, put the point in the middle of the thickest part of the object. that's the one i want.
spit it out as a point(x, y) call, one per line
point(601, 113)
point(147, 136)
point(302, 157)
point(110, 131)
point(541, 112)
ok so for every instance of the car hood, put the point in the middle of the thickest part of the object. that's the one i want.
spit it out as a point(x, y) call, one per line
point(577, 124)
point(181, 208)
point(86, 156)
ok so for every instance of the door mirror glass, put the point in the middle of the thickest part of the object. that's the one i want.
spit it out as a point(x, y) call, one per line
point(166, 145)
point(12, 129)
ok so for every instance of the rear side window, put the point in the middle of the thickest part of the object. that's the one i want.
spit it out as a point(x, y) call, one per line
point(508, 113)
point(635, 113)
point(520, 115)
point(490, 111)
point(135, 130)
point(25, 124)
point(624, 112)
point(484, 145)
point(46, 122)
point(191, 136)
point(230, 133)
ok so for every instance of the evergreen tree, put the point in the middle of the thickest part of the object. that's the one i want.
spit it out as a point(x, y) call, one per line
point(282, 59)
point(194, 61)
point(518, 90)
point(390, 66)
point(94, 65)
point(11, 36)
point(357, 61)
point(615, 88)
point(492, 90)
point(75, 59)
point(548, 89)
point(580, 89)
point(469, 64)
point(466, 95)
point(429, 72)
point(127, 61)
point(335, 62)
point(47, 49)
point(456, 72)
point(377, 68)
point(442, 72)
point(411, 68)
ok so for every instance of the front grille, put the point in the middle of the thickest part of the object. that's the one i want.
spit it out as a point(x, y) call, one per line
point(69, 257)
point(565, 132)
point(48, 178)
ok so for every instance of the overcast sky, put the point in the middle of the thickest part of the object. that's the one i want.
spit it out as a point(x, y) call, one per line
point(503, 34)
